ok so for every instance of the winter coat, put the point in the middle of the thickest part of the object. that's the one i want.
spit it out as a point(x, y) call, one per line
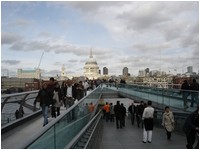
point(43, 97)
point(168, 121)
point(118, 111)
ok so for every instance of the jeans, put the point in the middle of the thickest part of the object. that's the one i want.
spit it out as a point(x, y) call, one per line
point(194, 98)
point(45, 114)
point(185, 96)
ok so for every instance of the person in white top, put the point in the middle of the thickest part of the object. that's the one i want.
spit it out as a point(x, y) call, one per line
point(148, 122)
point(85, 85)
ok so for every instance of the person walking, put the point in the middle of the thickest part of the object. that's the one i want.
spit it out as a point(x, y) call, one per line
point(44, 99)
point(148, 122)
point(191, 128)
point(57, 97)
point(107, 111)
point(185, 93)
point(70, 94)
point(91, 107)
point(80, 90)
point(118, 114)
point(17, 114)
point(86, 86)
point(168, 121)
point(139, 112)
point(194, 87)
point(50, 90)
point(132, 111)
point(63, 91)
point(123, 114)
point(112, 113)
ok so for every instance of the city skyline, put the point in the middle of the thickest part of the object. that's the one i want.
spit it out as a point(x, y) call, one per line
point(137, 35)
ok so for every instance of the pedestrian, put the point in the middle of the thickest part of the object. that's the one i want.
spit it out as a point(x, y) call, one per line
point(191, 129)
point(57, 97)
point(118, 114)
point(148, 122)
point(80, 90)
point(139, 112)
point(168, 121)
point(185, 93)
point(21, 111)
point(50, 89)
point(91, 107)
point(112, 113)
point(194, 87)
point(86, 86)
point(70, 94)
point(63, 91)
point(17, 114)
point(132, 111)
point(44, 99)
point(107, 111)
point(123, 114)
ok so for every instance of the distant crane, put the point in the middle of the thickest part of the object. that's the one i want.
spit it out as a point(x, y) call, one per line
point(40, 60)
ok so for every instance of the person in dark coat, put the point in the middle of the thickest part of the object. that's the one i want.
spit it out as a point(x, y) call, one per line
point(118, 114)
point(17, 114)
point(123, 114)
point(139, 112)
point(185, 93)
point(80, 90)
point(50, 89)
point(63, 92)
point(191, 128)
point(194, 87)
point(45, 100)
point(132, 111)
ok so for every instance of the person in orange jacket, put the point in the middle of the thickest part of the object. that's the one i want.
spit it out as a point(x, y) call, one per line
point(107, 111)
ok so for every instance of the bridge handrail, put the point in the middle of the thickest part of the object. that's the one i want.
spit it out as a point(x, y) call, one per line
point(19, 94)
point(52, 123)
point(77, 137)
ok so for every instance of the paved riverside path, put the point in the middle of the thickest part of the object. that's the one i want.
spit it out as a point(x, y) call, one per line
point(130, 137)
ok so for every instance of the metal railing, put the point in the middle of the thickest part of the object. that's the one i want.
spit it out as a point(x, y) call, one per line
point(12, 102)
point(59, 132)
point(160, 96)
point(76, 139)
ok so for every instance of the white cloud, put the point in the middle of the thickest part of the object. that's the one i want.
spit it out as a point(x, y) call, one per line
point(144, 34)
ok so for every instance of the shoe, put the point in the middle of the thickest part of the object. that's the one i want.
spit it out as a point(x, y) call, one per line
point(143, 142)
point(149, 141)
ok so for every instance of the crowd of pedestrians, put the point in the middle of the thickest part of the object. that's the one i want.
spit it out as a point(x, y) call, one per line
point(52, 96)
point(144, 115)
point(193, 90)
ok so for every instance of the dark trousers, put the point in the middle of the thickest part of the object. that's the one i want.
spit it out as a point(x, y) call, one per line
point(53, 111)
point(119, 122)
point(168, 134)
point(194, 98)
point(132, 118)
point(58, 111)
point(191, 139)
point(107, 116)
point(111, 117)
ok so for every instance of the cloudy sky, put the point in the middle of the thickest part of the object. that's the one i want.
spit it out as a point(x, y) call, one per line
point(157, 35)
